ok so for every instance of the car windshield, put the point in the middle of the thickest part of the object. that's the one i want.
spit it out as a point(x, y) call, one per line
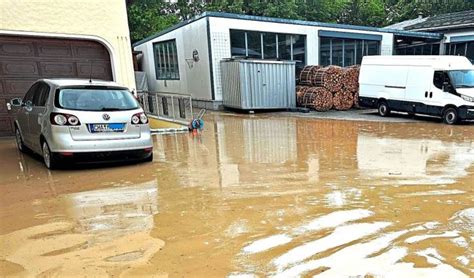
point(462, 78)
point(96, 99)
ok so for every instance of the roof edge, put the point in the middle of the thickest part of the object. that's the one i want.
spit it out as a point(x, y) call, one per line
point(290, 21)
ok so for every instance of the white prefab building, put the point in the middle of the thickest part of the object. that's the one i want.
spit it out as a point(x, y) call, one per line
point(185, 59)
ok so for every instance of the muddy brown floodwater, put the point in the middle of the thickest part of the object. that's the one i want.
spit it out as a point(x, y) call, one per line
point(262, 195)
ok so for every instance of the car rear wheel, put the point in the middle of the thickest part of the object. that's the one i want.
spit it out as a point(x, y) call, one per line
point(450, 116)
point(50, 159)
point(19, 141)
point(383, 109)
point(149, 158)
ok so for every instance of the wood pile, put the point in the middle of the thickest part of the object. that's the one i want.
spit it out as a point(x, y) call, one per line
point(306, 75)
point(329, 78)
point(323, 99)
point(351, 78)
point(343, 100)
point(324, 88)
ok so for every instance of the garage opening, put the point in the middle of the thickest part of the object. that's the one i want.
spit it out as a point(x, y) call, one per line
point(24, 59)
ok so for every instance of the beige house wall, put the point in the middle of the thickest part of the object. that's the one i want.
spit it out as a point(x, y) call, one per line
point(101, 20)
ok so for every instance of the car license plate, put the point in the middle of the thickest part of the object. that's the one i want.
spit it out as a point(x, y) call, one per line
point(116, 127)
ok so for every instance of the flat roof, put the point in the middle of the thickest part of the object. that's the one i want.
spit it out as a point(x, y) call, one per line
point(425, 35)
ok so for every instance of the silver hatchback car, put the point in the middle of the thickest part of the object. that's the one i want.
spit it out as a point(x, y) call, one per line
point(82, 121)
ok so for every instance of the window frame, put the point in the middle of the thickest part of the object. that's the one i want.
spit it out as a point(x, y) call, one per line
point(166, 62)
point(363, 51)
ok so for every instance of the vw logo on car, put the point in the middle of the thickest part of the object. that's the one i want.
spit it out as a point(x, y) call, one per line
point(106, 117)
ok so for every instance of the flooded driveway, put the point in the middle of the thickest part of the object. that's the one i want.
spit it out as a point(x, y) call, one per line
point(262, 195)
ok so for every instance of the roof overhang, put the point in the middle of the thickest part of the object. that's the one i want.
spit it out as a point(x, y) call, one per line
point(426, 35)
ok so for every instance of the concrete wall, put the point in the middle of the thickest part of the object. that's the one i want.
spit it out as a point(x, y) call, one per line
point(102, 20)
point(194, 77)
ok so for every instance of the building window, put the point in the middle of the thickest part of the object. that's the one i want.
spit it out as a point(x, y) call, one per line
point(461, 49)
point(265, 45)
point(421, 49)
point(345, 52)
point(166, 60)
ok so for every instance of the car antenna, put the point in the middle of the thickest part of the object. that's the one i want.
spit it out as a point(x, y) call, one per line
point(90, 73)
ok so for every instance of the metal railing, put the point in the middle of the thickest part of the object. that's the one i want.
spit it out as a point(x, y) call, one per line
point(173, 107)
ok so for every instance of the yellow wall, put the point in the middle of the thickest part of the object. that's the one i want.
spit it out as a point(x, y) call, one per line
point(104, 19)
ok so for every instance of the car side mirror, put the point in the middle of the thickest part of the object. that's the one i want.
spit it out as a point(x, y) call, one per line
point(16, 102)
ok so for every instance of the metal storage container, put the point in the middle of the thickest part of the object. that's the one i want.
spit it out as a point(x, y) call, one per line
point(258, 84)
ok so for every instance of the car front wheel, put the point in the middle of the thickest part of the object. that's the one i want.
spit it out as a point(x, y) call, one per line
point(49, 158)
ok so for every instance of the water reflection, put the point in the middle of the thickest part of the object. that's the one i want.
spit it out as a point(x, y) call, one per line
point(245, 152)
point(100, 230)
point(412, 160)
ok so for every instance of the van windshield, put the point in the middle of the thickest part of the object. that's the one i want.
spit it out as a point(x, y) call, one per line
point(96, 99)
point(462, 78)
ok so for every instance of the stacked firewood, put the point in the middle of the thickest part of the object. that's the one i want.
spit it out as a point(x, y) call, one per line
point(324, 88)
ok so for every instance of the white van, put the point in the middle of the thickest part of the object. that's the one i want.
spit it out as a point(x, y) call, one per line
point(432, 85)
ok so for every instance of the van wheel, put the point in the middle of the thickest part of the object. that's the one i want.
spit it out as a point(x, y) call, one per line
point(19, 141)
point(383, 109)
point(50, 159)
point(450, 116)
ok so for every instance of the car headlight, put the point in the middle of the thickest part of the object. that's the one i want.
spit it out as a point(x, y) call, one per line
point(467, 98)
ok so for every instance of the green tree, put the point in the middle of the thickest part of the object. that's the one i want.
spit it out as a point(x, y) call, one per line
point(409, 9)
point(363, 12)
point(320, 10)
point(147, 17)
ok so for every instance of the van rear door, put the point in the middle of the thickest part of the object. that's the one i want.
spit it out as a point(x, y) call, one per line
point(418, 90)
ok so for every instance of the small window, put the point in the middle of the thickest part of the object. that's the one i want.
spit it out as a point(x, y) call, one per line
point(41, 95)
point(237, 43)
point(284, 46)
point(30, 94)
point(254, 44)
point(299, 50)
point(439, 79)
point(269, 45)
point(166, 60)
point(337, 52)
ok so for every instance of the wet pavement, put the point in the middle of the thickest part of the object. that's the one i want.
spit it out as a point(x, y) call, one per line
point(253, 195)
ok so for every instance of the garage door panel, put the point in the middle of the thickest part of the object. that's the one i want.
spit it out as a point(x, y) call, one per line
point(23, 60)
point(90, 51)
point(17, 67)
point(57, 69)
point(16, 48)
point(16, 87)
point(56, 50)
point(100, 70)
point(6, 126)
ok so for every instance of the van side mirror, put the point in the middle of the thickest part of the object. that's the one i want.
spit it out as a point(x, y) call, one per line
point(16, 102)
